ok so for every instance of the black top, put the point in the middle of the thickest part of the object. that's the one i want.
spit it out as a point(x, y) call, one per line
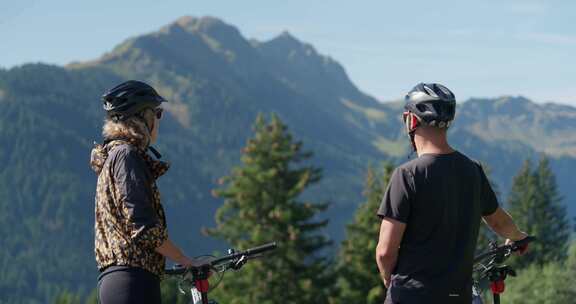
point(441, 198)
point(134, 183)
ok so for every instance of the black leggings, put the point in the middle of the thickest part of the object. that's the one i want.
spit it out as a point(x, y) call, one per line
point(127, 285)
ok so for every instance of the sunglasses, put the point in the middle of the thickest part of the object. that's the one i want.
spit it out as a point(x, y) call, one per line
point(158, 112)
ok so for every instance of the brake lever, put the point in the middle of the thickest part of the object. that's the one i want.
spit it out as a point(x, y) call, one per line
point(238, 264)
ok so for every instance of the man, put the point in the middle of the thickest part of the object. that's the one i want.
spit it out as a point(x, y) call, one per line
point(432, 208)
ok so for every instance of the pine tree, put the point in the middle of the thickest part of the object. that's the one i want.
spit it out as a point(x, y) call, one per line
point(358, 276)
point(261, 204)
point(537, 209)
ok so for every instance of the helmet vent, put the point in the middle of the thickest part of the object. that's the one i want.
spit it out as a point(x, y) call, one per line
point(430, 91)
point(421, 107)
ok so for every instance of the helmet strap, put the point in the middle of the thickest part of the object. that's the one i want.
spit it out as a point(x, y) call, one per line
point(143, 118)
point(412, 122)
point(155, 152)
point(411, 135)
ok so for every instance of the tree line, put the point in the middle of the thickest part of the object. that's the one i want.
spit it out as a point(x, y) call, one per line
point(262, 202)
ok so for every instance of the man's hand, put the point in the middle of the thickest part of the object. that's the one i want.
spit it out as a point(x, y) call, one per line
point(387, 282)
point(521, 249)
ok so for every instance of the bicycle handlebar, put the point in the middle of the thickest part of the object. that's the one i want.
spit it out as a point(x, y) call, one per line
point(175, 271)
point(247, 253)
point(505, 249)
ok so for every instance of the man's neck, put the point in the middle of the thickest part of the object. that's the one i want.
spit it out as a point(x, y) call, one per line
point(432, 145)
point(434, 150)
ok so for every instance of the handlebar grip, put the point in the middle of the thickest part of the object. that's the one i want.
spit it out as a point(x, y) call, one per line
point(260, 249)
point(525, 240)
point(175, 271)
point(518, 245)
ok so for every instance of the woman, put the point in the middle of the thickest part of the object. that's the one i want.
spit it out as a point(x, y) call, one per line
point(131, 241)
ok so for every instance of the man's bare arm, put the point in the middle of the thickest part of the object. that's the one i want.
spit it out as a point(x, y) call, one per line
point(391, 233)
point(501, 223)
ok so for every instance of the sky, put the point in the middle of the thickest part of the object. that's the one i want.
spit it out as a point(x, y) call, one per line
point(484, 48)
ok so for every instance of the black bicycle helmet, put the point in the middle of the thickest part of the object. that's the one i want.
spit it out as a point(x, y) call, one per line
point(129, 98)
point(433, 103)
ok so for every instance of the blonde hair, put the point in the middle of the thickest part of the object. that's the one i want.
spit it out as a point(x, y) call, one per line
point(134, 129)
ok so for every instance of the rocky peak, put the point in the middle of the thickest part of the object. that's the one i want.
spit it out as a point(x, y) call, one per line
point(210, 26)
point(286, 43)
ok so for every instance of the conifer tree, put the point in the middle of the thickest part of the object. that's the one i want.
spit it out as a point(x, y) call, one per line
point(262, 204)
point(537, 209)
point(358, 276)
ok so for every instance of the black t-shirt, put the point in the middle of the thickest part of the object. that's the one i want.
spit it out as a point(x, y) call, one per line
point(441, 199)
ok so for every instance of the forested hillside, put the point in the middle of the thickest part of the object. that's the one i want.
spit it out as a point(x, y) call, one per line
point(217, 82)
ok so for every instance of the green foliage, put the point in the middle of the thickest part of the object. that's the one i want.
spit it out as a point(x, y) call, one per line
point(92, 297)
point(536, 207)
point(171, 294)
point(261, 204)
point(68, 297)
point(553, 283)
point(45, 209)
point(358, 277)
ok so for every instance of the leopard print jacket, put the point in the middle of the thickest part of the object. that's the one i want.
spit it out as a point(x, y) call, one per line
point(130, 222)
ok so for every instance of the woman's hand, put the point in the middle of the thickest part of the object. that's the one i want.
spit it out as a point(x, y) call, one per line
point(203, 261)
point(187, 262)
point(195, 262)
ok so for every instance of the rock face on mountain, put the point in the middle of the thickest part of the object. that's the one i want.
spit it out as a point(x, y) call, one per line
point(217, 81)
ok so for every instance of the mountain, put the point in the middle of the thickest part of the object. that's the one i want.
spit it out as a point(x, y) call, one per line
point(217, 81)
point(547, 128)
